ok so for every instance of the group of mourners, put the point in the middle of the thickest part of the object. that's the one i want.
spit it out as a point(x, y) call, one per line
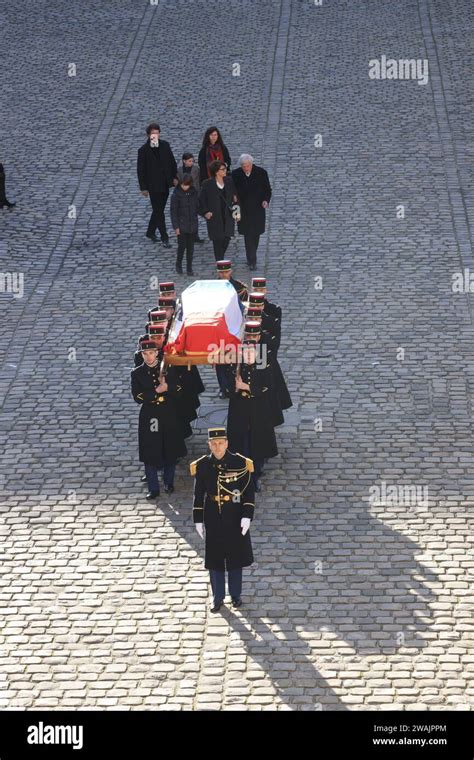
point(207, 189)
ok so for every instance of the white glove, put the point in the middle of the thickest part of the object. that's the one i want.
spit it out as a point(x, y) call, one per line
point(245, 524)
point(200, 529)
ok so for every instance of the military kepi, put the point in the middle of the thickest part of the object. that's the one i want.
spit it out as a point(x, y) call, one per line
point(217, 432)
point(146, 345)
point(224, 265)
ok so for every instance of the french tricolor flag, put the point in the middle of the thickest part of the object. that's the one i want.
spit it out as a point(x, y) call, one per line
point(210, 317)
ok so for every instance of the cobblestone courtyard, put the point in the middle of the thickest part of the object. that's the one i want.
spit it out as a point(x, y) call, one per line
point(352, 604)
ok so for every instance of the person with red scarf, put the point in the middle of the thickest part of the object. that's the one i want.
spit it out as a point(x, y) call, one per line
point(213, 149)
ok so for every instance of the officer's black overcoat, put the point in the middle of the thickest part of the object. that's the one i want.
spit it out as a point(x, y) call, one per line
point(160, 427)
point(231, 476)
point(251, 410)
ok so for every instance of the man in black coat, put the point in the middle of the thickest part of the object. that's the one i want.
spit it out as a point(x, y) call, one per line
point(224, 504)
point(157, 172)
point(216, 197)
point(254, 192)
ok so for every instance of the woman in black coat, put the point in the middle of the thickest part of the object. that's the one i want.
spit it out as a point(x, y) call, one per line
point(215, 204)
point(213, 149)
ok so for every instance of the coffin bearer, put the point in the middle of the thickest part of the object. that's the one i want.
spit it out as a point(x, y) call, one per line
point(157, 170)
point(271, 324)
point(156, 317)
point(254, 191)
point(253, 331)
point(224, 504)
point(259, 285)
point(160, 431)
point(224, 272)
point(169, 305)
point(167, 289)
point(249, 421)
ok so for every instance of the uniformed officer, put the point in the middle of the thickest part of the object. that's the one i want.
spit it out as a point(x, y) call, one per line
point(168, 304)
point(160, 429)
point(156, 316)
point(138, 356)
point(270, 322)
point(259, 285)
point(224, 272)
point(249, 420)
point(224, 504)
point(167, 289)
point(271, 336)
point(253, 331)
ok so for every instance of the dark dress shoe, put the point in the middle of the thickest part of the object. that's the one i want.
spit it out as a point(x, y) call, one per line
point(236, 602)
point(153, 238)
point(152, 495)
point(190, 272)
point(166, 244)
point(169, 489)
point(252, 267)
point(217, 606)
point(179, 270)
point(143, 478)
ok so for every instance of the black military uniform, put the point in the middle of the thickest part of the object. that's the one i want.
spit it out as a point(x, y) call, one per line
point(223, 499)
point(250, 426)
point(225, 265)
point(271, 336)
point(259, 284)
point(160, 427)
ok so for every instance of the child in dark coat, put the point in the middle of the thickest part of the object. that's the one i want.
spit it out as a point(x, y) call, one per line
point(184, 218)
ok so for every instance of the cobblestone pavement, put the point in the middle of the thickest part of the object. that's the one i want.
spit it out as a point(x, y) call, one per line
point(352, 604)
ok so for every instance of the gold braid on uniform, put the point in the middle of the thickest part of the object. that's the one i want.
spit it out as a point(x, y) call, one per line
point(236, 474)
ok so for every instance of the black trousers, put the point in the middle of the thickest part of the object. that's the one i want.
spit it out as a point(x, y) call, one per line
point(251, 244)
point(157, 218)
point(220, 247)
point(185, 243)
